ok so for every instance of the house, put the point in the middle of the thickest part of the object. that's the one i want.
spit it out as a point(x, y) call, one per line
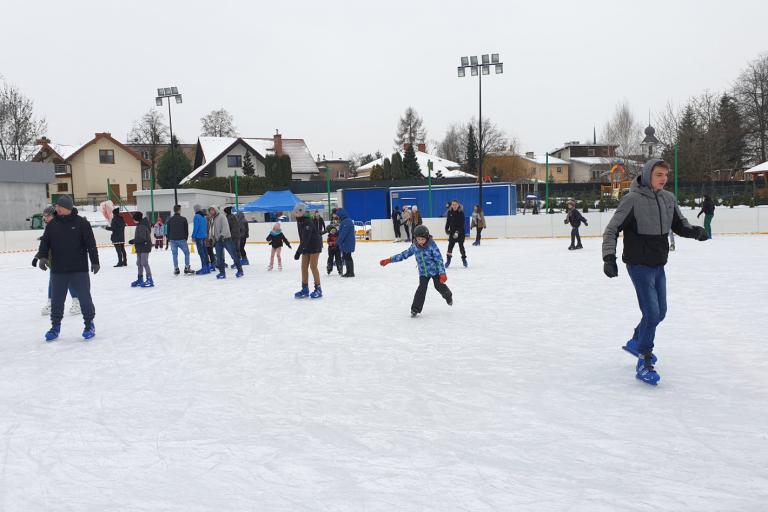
point(340, 169)
point(23, 192)
point(84, 171)
point(587, 162)
point(441, 168)
point(146, 151)
point(535, 167)
point(222, 156)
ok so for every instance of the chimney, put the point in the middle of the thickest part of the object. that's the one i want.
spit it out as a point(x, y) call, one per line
point(42, 140)
point(103, 134)
point(530, 154)
point(278, 139)
point(422, 147)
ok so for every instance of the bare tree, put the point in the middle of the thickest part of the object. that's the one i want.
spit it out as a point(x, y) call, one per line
point(451, 147)
point(151, 131)
point(410, 129)
point(494, 139)
point(218, 123)
point(751, 90)
point(624, 131)
point(18, 126)
point(667, 124)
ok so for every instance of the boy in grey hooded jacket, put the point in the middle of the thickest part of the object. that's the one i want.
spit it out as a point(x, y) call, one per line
point(646, 215)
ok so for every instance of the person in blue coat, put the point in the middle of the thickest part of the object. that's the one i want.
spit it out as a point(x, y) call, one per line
point(199, 235)
point(346, 241)
point(429, 261)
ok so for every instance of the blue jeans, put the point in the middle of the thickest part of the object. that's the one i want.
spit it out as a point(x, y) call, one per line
point(651, 288)
point(229, 245)
point(202, 251)
point(175, 246)
point(72, 291)
point(79, 282)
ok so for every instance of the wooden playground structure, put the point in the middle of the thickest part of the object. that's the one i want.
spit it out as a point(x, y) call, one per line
point(618, 184)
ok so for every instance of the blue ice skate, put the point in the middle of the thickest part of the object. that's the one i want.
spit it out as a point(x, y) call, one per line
point(646, 372)
point(631, 347)
point(89, 332)
point(317, 293)
point(239, 273)
point(221, 275)
point(303, 293)
point(149, 283)
point(52, 333)
point(137, 283)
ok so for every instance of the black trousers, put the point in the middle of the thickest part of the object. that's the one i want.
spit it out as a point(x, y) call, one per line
point(80, 283)
point(122, 257)
point(237, 257)
point(211, 255)
point(421, 292)
point(575, 236)
point(242, 248)
point(396, 225)
point(407, 232)
point(334, 259)
point(477, 238)
point(347, 257)
point(452, 242)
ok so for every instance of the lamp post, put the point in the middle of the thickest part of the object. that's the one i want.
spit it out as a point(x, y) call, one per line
point(429, 169)
point(170, 92)
point(478, 69)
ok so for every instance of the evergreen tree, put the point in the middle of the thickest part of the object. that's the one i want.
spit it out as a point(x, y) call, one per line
point(471, 153)
point(398, 171)
point(730, 134)
point(410, 129)
point(386, 170)
point(689, 135)
point(285, 172)
point(171, 168)
point(248, 168)
point(410, 164)
point(377, 173)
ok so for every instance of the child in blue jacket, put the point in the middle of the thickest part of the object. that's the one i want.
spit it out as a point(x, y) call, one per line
point(430, 263)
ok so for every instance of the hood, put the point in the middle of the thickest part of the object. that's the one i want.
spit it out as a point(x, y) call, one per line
point(342, 213)
point(645, 174)
point(200, 213)
point(241, 216)
point(116, 212)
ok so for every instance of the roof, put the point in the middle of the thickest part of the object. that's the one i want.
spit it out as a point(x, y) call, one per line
point(539, 159)
point(763, 167)
point(593, 160)
point(577, 144)
point(12, 171)
point(108, 136)
point(275, 201)
point(447, 168)
point(214, 148)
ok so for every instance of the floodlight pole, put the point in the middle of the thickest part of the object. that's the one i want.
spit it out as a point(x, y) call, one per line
point(173, 158)
point(480, 135)
point(429, 181)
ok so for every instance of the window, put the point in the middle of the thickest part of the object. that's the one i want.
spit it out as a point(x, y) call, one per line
point(234, 161)
point(62, 187)
point(591, 152)
point(106, 156)
point(559, 170)
point(60, 168)
point(145, 174)
point(145, 155)
point(596, 175)
point(342, 175)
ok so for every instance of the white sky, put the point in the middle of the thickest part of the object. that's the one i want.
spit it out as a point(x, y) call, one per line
point(339, 74)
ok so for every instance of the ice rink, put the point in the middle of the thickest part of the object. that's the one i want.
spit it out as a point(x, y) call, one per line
point(206, 395)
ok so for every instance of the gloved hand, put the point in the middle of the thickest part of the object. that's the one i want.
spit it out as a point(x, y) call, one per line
point(701, 233)
point(455, 235)
point(43, 263)
point(586, 224)
point(443, 278)
point(34, 261)
point(385, 262)
point(95, 268)
point(610, 268)
point(565, 221)
point(297, 255)
point(131, 241)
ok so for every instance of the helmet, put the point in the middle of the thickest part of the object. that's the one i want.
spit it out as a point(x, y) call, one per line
point(421, 231)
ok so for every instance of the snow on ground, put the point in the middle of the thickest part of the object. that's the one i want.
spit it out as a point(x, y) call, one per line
point(214, 395)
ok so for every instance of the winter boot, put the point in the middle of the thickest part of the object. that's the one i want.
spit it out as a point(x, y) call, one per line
point(269, 268)
point(46, 311)
point(317, 293)
point(221, 274)
point(645, 370)
point(90, 331)
point(239, 273)
point(329, 270)
point(570, 247)
point(414, 313)
point(211, 267)
point(579, 247)
point(176, 271)
point(74, 309)
point(244, 262)
point(188, 271)
point(464, 261)
point(149, 283)
point(233, 266)
point(303, 293)
point(203, 271)
point(448, 260)
point(138, 282)
point(350, 270)
point(631, 347)
point(53, 333)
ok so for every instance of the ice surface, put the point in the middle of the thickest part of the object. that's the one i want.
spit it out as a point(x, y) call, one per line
point(231, 395)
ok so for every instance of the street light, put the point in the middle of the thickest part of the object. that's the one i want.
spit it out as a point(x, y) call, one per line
point(170, 92)
point(479, 69)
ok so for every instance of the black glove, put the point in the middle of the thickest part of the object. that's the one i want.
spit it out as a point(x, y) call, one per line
point(700, 233)
point(585, 223)
point(131, 241)
point(565, 221)
point(297, 255)
point(610, 268)
point(42, 263)
point(95, 268)
point(34, 261)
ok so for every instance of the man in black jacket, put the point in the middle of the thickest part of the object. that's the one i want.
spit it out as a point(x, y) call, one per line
point(178, 234)
point(235, 233)
point(69, 240)
point(646, 215)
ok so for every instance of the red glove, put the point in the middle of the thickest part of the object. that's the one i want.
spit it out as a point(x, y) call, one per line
point(385, 262)
point(443, 278)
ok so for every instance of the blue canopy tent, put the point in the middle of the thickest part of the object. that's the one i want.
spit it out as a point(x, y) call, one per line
point(276, 201)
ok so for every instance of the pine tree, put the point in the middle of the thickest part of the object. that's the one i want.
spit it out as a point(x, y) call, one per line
point(471, 165)
point(689, 133)
point(285, 172)
point(410, 129)
point(386, 171)
point(248, 168)
point(171, 168)
point(377, 173)
point(410, 164)
point(729, 134)
point(398, 172)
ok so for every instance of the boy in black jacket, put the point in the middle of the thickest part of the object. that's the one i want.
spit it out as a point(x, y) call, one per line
point(454, 228)
point(117, 227)
point(575, 217)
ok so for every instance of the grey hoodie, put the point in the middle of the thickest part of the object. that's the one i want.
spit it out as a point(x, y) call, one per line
point(645, 217)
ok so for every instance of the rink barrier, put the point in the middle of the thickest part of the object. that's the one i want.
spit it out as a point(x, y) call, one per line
point(727, 221)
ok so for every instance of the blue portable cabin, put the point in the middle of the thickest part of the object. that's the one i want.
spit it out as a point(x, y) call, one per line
point(365, 204)
point(499, 198)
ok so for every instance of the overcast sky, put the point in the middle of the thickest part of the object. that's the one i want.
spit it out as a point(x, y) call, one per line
point(339, 74)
